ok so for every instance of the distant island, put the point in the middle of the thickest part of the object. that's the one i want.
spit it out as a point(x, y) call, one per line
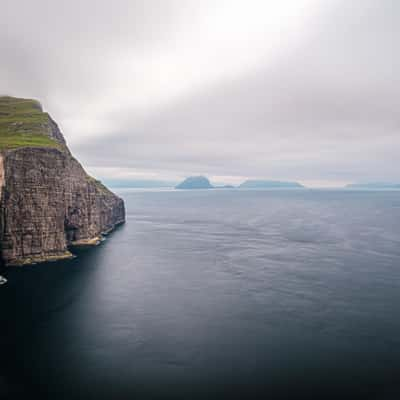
point(266, 184)
point(202, 182)
point(195, 182)
point(225, 187)
point(373, 185)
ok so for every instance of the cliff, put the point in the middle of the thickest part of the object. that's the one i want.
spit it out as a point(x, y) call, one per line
point(47, 200)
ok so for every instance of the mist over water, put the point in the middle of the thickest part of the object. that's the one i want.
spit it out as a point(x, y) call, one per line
point(212, 294)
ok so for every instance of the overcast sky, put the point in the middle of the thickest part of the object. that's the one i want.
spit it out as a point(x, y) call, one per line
point(304, 90)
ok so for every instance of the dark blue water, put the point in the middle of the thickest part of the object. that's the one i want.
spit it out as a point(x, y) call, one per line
point(216, 294)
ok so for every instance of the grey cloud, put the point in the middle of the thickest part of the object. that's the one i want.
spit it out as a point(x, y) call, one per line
point(326, 109)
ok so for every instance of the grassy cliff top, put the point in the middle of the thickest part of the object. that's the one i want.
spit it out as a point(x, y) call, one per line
point(24, 124)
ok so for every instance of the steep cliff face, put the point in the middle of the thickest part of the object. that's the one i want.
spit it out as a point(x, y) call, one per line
point(48, 202)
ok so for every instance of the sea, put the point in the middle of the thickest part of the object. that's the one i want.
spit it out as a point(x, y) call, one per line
point(215, 294)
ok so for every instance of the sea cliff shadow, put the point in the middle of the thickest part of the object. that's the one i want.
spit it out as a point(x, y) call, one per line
point(42, 303)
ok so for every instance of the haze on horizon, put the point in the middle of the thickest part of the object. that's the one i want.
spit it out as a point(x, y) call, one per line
point(303, 90)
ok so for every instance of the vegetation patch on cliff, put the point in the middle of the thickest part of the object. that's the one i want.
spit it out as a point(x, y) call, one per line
point(100, 187)
point(24, 124)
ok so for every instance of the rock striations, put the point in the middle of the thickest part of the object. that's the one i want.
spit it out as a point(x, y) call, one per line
point(48, 201)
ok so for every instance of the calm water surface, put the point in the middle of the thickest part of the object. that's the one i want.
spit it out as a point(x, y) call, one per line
point(216, 294)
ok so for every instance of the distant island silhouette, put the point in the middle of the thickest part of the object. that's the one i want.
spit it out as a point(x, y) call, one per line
point(373, 185)
point(195, 182)
point(267, 184)
point(202, 182)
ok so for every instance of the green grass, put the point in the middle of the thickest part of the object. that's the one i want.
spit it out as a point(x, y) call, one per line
point(13, 105)
point(24, 124)
point(14, 141)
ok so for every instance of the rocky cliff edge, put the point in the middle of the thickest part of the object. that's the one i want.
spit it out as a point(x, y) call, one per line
point(48, 202)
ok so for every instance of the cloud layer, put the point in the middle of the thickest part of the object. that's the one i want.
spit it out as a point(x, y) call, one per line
point(306, 90)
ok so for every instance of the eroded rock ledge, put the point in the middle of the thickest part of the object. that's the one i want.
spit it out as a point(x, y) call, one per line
point(49, 202)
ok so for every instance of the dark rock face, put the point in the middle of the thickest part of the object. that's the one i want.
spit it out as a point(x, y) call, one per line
point(54, 131)
point(48, 203)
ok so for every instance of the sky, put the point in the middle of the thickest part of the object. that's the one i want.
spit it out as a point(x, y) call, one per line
point(299, 90)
